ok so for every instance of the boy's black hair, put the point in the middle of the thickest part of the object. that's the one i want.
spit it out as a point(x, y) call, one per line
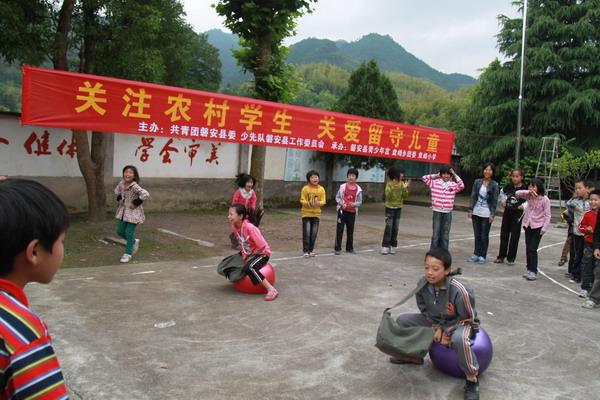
point(441, 254)
point(353, 171)
point(445, 169)
point(492, 166)
point(28, 211)
point(241, 179)
point(584, 181)
point(254, 215)
point(520, 171)
point(596, 192)
point(537, 182)
point(136, 175)
point(395, 171)
point(311, 173)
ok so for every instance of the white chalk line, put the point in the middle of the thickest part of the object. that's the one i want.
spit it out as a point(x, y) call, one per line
point(360, 251)
point(418, 245)
point(552, 279)
point(200, 242)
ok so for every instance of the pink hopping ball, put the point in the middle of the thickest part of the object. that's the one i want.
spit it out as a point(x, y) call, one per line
point(245, 285)
point(444, 358)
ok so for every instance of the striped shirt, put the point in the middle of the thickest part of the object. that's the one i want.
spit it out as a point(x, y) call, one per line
point(29, 368)
point(443, 193)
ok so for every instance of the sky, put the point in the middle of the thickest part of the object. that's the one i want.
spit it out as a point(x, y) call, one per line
point(449, 35)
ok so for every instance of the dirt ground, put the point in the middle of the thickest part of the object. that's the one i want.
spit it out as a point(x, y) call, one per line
point(85, 244)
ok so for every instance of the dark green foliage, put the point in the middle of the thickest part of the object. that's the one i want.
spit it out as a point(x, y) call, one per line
point(562, 83)
point(10, 88)
point(312, 50)
point(370, 94)
point(262, 26)
point(149, 41)
point(24, 25)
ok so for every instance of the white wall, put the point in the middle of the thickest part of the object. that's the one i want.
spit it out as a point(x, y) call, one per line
point(128, 149)
point(14, 156)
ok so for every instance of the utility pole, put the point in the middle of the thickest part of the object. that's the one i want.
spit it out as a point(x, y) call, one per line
point(521, 84)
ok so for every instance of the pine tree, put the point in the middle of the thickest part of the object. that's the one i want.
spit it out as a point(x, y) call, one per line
point(562, 82)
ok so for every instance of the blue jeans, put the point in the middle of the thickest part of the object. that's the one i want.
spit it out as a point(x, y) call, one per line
point(481, 230)
point(392, 222)
point(310, 228)
point(441, 230)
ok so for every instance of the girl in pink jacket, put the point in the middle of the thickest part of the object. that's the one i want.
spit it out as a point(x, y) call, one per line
point(245, 194)
point(535, 222)
point(253, 247)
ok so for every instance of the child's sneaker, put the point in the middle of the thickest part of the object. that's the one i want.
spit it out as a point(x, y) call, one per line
point(526, 274)
point(126, 258)
point(385, 250)
point(589, 304)
point(584, 293)
point(312, 254)
point(499, 260)
point(416, 361)
point(531, 276)
point(472, 259)
point(271, 294)
point(306, 255)
point(392, 250)
point(574, 280)
point(136, 246)
point(471, 390)
point(481, 260)
point(510, 262)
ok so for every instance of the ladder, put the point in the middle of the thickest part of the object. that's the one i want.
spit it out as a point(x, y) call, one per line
point(547, 169)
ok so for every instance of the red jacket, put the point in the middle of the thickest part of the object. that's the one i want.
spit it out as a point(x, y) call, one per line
point(588, 221)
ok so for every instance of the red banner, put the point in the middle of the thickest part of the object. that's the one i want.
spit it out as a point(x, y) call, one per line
point(53, 98)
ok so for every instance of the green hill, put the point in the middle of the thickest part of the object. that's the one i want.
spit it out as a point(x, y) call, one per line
point(390, 56)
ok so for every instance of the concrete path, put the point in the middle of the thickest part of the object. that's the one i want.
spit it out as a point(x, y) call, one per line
point(316, 341)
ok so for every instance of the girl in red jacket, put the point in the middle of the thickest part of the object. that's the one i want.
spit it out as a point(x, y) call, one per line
point(253, 247)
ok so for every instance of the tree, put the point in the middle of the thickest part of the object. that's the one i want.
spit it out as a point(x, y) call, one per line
point(572, 168)
point(370, 94)
point(562, 82)
point(145, 40)
point(262, 26)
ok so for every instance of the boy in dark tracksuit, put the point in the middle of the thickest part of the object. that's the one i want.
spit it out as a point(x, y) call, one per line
point(460, 317)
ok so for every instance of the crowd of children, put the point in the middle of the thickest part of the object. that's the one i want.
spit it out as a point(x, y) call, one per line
point(33, 252)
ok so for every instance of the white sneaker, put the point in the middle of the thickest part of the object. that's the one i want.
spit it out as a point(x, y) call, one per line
point(136, 246)
point(126, 258)
point(306, 255)
point(532, 276)
point(392, 250)
point(385, 250)
point(589, 304)
point(584, 293)
point(312, 254)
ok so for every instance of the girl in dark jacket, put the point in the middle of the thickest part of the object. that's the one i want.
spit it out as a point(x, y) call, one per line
point(482, 210)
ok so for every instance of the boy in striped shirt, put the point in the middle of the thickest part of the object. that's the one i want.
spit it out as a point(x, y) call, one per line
point(443, 191)
point(33, 222)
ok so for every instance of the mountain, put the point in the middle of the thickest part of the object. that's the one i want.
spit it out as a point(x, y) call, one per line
point(227, 42)
point(390, 56)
